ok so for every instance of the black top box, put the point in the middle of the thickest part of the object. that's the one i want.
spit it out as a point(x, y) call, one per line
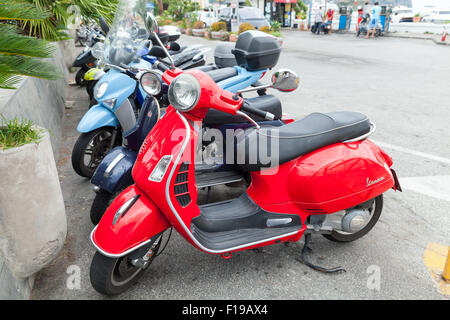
point(223, 55)
point(256, 50)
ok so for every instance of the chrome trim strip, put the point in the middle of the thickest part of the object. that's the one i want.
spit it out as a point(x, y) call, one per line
point(174, 211)
point(110, 255)
point(125, 115)
point(372, 131)
point(111, 166)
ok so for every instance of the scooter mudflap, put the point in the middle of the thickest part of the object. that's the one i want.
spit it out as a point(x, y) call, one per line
point(303, 259)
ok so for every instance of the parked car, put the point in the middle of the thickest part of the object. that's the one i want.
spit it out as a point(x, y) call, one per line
point(402, 15)
point(246, 14)
point(207, 16)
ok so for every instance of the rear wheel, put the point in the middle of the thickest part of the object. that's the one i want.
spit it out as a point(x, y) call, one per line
point(111, 276)
point(375, 212)
point(91, 148)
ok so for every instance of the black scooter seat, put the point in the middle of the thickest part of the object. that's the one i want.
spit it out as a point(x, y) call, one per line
point(181, 58)
point(315, 131)
point(266, 103)
point(221, 74)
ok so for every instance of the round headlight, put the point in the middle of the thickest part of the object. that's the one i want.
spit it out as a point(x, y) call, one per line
point(184, 92)
point(151, 83)
point(100, 90)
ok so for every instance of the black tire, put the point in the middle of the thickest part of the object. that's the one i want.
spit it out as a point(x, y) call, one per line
point(100, 147)
point(102, 201)
point(338, 236)
point(90, 85)
point(358, 33)
point(105, 272)
point(82, 42)
point(79, 78)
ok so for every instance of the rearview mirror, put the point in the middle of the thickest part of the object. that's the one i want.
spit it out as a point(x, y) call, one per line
point(151, 23)
point(285, 80)
point(103, 25)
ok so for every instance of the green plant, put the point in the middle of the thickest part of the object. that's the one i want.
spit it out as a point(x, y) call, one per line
point(219, 26)
point(22, 55)
point(53, 27)
point(184, 24)
point(178, 9)
point(245, 27)
point(276, 34)
point(15, 133)
point(275, 26)
point(300, 8)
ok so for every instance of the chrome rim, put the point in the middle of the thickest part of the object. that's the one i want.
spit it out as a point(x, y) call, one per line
point(97, 149)
point(124, 271)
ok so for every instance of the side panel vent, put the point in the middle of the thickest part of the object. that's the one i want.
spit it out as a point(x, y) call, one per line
point(181, 188)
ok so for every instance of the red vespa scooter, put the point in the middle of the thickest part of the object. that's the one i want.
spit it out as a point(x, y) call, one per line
point(328, 179)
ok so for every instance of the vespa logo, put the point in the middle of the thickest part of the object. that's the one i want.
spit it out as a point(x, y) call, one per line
point(370, 182)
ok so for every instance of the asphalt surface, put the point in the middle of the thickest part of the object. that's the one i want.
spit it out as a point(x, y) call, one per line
point(404, 87)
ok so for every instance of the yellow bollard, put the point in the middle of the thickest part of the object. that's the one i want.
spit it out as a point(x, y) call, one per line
point(446, 273)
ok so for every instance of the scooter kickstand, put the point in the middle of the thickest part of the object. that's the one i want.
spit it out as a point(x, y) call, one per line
point(303, 259)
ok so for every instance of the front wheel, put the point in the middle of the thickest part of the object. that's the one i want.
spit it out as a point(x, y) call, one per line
point(79, 78)
point(111, 276)
point(375, 212)
point(91, 148)
point(102, 201)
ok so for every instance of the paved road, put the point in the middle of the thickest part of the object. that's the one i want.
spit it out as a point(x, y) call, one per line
point(404, 87)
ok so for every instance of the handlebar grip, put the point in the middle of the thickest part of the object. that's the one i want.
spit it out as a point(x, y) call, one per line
point(263, 114)
point(161, 66)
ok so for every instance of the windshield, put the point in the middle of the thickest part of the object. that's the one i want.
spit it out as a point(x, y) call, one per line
point(250, 13)
point(127, 39)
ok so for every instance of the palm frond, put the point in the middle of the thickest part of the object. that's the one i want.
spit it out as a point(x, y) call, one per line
point(8, 81)
point(12, 43)
point(27, 66)
point(21, 10)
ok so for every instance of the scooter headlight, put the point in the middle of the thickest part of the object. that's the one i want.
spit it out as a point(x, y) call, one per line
point(184, 92)
point(151, 83)
point(100, 90)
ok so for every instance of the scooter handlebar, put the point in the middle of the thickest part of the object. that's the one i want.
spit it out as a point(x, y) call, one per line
point(263, 114)
point(161, 66)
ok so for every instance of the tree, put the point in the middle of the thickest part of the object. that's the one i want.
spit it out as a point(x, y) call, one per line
point(53, 27)
point(22, 55)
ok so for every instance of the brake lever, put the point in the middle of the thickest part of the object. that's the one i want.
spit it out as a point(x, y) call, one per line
point(242, 114)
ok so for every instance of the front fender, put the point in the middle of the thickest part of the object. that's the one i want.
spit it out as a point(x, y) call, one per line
point(114, 172)
point(133, 229)
point(97, 117)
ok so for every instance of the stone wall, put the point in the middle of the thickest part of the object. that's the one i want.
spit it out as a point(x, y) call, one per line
point(43, 102)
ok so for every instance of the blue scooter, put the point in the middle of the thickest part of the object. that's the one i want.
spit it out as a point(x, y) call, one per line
point(114, 172)
point(119, 98)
